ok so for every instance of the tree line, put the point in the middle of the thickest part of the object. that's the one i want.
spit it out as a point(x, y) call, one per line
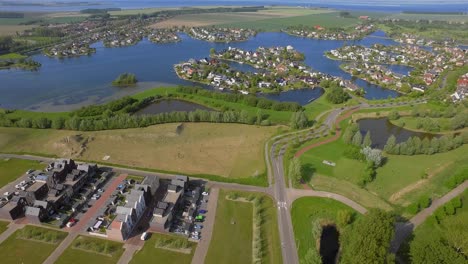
point(249, 100)
point(416, 146)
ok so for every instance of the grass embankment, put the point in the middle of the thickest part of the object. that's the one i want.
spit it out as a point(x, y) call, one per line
point(153, 253)
point(30, 245)
point(228, 150)
point(12, 56)
point(309, 214)
point(234, 232)
point(12, 169)
point(92, 250)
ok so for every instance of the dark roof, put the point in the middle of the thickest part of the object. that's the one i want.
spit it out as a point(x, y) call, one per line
point(159, 211)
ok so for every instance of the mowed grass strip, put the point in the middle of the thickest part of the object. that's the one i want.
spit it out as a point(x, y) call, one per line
point(97, 251)
point(19, 249)
point(229, 150)
point(152, 254)
point(11, 169)
point(309, 211)
point(3, 226)
point(231, 241)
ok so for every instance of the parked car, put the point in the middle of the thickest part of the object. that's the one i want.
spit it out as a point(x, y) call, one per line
point(205, 193)
point(95, 196)
point(100, 190)
point(144, 236)
point(202, 211)
point(29, 171)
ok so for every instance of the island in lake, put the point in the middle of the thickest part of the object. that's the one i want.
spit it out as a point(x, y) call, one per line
point(125, 80)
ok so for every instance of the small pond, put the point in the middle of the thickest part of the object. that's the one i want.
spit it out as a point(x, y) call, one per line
point(165, 106)
point(381, 129)
point(329, 244)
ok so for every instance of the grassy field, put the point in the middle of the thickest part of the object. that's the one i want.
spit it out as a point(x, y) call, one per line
point(402, 171)
point(18, 250)
point(13, 168)
point(233, 231)
point(308, 213)
point(151, 254)
point(75, 255)
point(229, 150)
point(3, 226)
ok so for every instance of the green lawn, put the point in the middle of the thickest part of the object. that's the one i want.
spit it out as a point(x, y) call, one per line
point(28, 251)
point(13, 168)
point(276, 24)
point(309, 214)
point(401, 171)
point(151, 254)
point(233, 231)
point(410, 122)
point(3, 226)
point(12, 56)
point(75, 255)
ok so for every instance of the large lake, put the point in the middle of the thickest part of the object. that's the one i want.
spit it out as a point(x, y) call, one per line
point(73, 82)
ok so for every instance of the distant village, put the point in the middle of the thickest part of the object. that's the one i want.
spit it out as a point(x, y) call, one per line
point(319, 32)
point(273, 69)
point(426, 66)
point(214, 34)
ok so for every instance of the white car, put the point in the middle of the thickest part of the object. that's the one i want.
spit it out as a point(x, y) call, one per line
point(205, 193)
point(100, 190)
point(29, 171)
point(144, 236)
point(95, 196)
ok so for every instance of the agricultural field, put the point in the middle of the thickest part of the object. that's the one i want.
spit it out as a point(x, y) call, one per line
point(310, 214)
point(229, 150)
point(433, 17)
point(92, 250)
point(11, 169)
point(276, 24)
point(235, 17)
point(10, 26)
point(151, 253)
point(234, 226)
point(30, 245)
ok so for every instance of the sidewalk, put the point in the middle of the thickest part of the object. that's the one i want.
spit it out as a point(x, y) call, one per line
point(12, 227)
point(61, 248)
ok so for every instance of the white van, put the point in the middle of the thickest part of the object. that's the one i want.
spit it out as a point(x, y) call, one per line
point(144, 236)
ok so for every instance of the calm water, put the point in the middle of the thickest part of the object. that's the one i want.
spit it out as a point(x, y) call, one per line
point(302, 97)
point(329, 244)
point(381, 129)
point(166, 106)
point(73, 82)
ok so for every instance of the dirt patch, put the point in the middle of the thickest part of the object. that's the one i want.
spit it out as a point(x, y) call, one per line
point(398, 195)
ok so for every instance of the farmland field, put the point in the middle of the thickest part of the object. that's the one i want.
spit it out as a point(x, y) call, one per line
point(228, 150)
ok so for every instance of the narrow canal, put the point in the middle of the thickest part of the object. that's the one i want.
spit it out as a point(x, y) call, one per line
point(329, 244)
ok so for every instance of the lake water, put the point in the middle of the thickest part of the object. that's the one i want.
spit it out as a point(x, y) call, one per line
point(74, 82)
point(166, 106)
point(381, 129)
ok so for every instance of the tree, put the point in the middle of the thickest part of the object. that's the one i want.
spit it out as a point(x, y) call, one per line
point(373, 155)
point(394, 115)
point(368, 241)
point(212, 51)
point(295, 170)
point(344, 217)
point(367, 140)
point(390, 145)
point(299, 120)
point(357, 139)
point(432, 249)
point(337, 95)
